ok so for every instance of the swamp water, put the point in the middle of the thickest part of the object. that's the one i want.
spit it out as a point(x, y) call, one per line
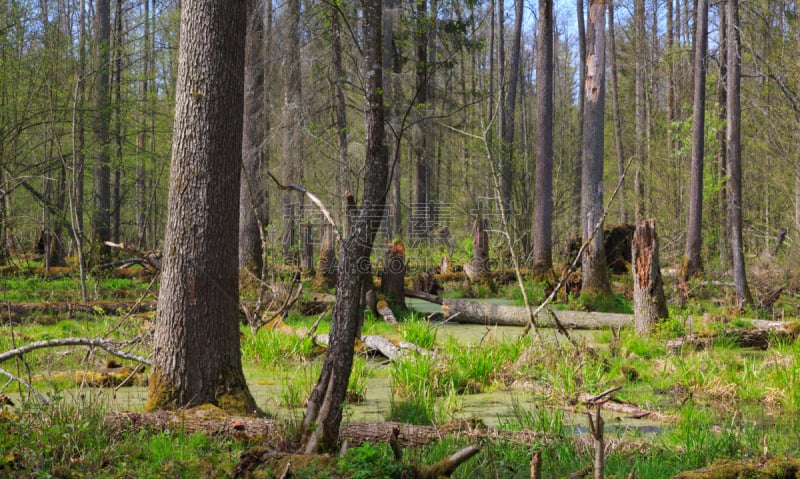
point(492, 408)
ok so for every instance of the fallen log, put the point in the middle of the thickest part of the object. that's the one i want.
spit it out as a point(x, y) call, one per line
point(378, 344)
point(474, 312)
point(759, 336)
point(9, 310)
point(626, 408)
point(776, 468)
point(213, 421)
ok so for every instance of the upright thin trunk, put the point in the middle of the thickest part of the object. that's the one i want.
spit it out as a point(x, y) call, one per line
point(506, 120)
point(101, 217)
point(593, 263)
point(640, 105)
point(797, 158)
point(292, 201)
point(116, 85)
point(618, 148)
point(324, 412)
point(392, 67)
point(543, 207)
point(141, 139)
point(343, 167)
point(722, 153)
point(422, 142)
point(576, 224)
point(692, 262)
point(733, 136)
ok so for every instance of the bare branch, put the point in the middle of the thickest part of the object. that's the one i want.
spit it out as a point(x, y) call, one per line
point(25, 383)
point(95, 342)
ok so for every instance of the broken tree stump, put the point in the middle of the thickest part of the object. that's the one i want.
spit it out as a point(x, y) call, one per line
point(649, 303)
point(326, 263)
point(393, 275)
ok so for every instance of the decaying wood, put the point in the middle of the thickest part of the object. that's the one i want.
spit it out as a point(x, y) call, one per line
point(630, 410)
point(214, 422)
point(306, 249)
point(649, 303)
point(386, 312)
point(379, 345)
point(536, 465)
point(326, 263)
point(760, 336)
point(393, 274)
point(104, 344)
point(100, 307)
point(150, 260)
point(475, 312)
point(776, 468)
point(446, 466)
point(313, 198)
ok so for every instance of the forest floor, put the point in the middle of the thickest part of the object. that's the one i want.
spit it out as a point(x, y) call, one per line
point(677, 408)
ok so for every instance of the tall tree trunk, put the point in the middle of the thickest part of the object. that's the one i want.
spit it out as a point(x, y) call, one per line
point(293, 152)
point(593, 263)
point(101, 216)
point(577, 179)
point(393, 68)
point(797, 158)
point(692, 261)
point(618, 146)
point(197, 355)
point(509, 112)
point(733, 138)
point(421, 211)
point(543, 207)
point(640, 105)
point(116, 86)
point(141, 139)
point(649, 303)
point(253, 197)
point(324, 412)
point(343, 167)
point(723, 229)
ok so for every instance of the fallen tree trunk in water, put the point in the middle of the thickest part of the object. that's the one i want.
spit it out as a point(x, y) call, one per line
point(474, 312)
point(759, 336)
point(777, 468)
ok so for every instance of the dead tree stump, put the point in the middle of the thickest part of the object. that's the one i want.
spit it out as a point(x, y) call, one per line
point(649, 303)
point(478, 269)
point(393, 275)
point(306, 249)
point(326, 263)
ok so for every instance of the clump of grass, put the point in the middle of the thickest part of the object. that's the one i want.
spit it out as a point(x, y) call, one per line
point(535, 417)
point(269, 346)
point(419, 331)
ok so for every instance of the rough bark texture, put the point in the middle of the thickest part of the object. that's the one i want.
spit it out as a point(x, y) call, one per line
point(306, 249)
point(197, 352)
point(577, 181)
point(421, 209)
point(593, 264)
point(343, 169)
point(692, 264)
point(253, 198)
point(509, 110)
point(733, 137)
point(543, 207)
point(101, 215)
point(324, 412)
point(393, 275)
point(649, 303)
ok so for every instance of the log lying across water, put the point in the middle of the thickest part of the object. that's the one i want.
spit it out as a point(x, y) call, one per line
point(474, 312)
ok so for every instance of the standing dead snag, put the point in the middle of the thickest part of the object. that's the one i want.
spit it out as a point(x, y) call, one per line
point(393, 275)
point(326, 263)
point(649, 303)
point(478, 269)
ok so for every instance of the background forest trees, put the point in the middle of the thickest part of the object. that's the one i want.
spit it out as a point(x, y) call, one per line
point(451, 79)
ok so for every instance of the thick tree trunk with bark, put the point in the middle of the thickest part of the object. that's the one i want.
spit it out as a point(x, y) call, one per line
point(692, 262)
point(733, 140)
point(343, 168)
point(197, 355)
point(253, 197)
point(324, 411)
point(508, 116)
point(543, 207)
point(640, 107)
point(577, 180)
point(593, 262)
point(649, 303)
